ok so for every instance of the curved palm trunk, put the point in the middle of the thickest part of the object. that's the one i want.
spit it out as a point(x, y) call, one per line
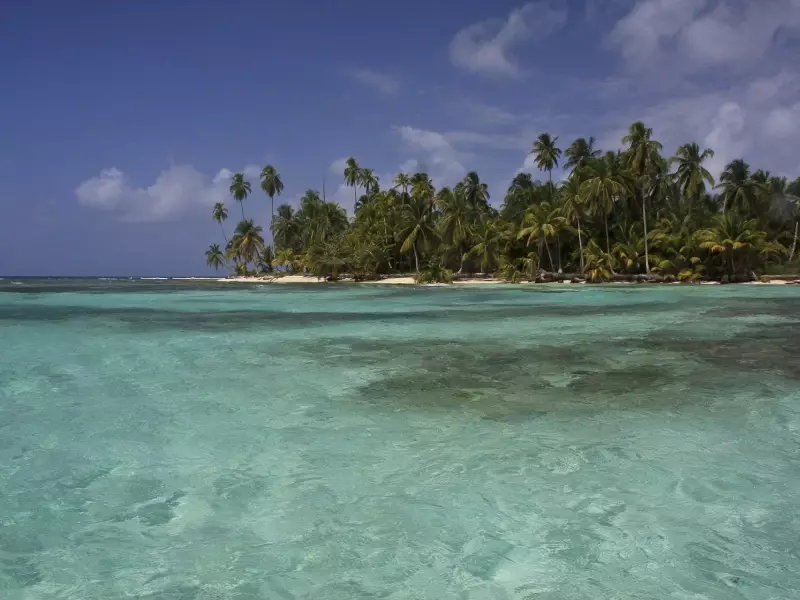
point(416, 256)
point(580, 242)
point(223, 233)
point(549, 255)
point(241, 205)
point(558, 250)
point(608, 244)
point(644, 220)
point(272, 223)
point(794, 243)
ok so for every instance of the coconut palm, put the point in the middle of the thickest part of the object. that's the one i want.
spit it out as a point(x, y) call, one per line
point(488, 241)
point(541, 223)
point(691, 176)
point(580, 152)
point(476, 193)
point(402, 180)
point(457, 222)
point(352, 177)
point(643, 159)
point(219, 213)
point(286, 229)
point(368, 180)
point(272, 185)
point(214, 257)
point(574, 207)
point(732, 238)
point(240, 189)
point(546, 154)
point(417, 226)
point(740, 190)
point(600, 189)
point(247, 241)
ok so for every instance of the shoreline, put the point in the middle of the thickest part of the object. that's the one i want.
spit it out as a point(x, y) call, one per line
point(409, 280)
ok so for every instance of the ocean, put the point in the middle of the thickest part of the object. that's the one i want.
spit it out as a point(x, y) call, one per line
point(196, 441)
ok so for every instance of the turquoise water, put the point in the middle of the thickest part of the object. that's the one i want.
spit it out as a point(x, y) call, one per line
point(179, 442)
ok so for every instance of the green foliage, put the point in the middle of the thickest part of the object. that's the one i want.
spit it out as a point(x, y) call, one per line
point(434, 273)
point(626, 212)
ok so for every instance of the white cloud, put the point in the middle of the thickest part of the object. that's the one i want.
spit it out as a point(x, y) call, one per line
point(692, 35)
point(753, 121)
point(383, 83)
point(486, 46)
point(178, 191)
point(437, 154)
point(783, 122)
point(338, 165)
point(725, 137)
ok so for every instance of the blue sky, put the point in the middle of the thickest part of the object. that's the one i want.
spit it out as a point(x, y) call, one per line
point(121, 120)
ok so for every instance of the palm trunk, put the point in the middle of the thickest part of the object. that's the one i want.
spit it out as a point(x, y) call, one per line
point(549, 255)
point(355, 199)
point(416, 256)
point(272, 223)
point(580, 243)
point(558, 249)
point(644, 220)
point(608, 244)
point(794, 243)
point(241, 205)
point(223, 234)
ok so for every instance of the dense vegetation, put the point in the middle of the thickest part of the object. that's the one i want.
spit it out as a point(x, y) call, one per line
point(617, 214)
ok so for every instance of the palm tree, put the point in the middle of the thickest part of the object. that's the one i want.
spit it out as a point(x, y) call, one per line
point(488, 240)
point(352, 177)
point(600, 190)
point(456, 224)
point(580, 152)
point(247, 241)
point(240, 189)
point(219, 213)
point(541, 223)
point(402, 180)
point(691, 176)
point(740, 189)
point(547, 154)
point(368, 180)
point(730, 236)
point(476, 193)
point(271, 184)
point(214, 257)
point(574, 206)
point(417, 225)
point(643, 159)
point(285, 230)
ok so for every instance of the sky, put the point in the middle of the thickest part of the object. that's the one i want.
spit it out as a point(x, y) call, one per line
point(121, 122)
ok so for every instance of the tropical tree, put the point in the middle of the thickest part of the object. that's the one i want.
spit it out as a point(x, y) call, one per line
point(214, 257)
point(417, 226)
point(691, 176)
point(352, 178)
point(541, 223)
point(402, 180)
point(546, 154)
point(740, 190)
point(644, 160)
point(286, 229)
point(220, 214)
point(240, 189)
point(600, 189)
point(488, 241)
point(368, 180)
point(580, 153)
point(734, 239)
point(272, 185)
point(247, 241)
point(574, 208)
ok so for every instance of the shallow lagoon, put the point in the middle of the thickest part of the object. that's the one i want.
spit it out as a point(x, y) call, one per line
point(343, 442)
